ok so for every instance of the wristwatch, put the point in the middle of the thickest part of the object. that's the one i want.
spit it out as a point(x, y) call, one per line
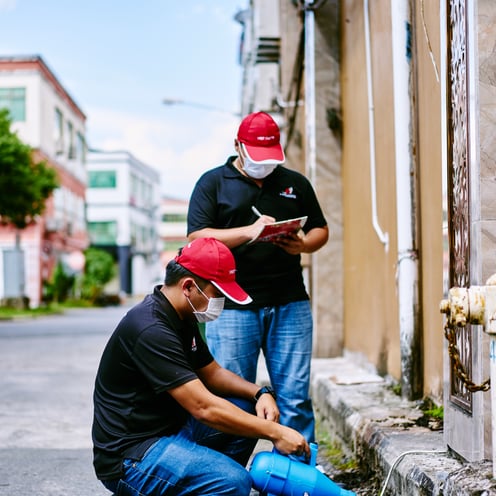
point(263, 390)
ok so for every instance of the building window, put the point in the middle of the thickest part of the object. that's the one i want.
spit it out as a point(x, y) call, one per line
point(169, 217)
point(103, 233)
point(102, 179)
point(134, 199)
point(58, 131)
point(71, 151)
point(80, 147)
point(14, 99)
point(173, 246)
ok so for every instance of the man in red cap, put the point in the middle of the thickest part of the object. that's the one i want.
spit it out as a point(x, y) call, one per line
point(232, 203)
point(168, 420)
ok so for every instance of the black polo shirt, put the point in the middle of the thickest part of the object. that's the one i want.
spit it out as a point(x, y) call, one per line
point(150, 352)
point(223, 197)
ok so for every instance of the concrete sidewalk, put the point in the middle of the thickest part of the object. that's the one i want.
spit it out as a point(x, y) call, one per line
point(386, 435)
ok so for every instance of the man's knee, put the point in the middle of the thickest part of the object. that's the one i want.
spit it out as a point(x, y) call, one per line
point(239, 482)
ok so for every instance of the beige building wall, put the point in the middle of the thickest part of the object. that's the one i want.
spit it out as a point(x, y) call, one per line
point(354, 278)
point(370, 296)
point(429, 110)
point(372, 321)
point(328, 261)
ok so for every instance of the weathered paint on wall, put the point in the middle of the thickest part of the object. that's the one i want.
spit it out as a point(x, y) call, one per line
point(355, 281)
point(371, 300)
point(370, 308)
point(427, 80)
point(325, 267)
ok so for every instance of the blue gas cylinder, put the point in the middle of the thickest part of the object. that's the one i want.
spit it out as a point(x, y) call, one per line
point(280, 475)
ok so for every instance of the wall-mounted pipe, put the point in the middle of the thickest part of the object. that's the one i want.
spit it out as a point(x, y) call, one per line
point(310, 90)
point(310, 132)
point(383, 236)
point(407, 264)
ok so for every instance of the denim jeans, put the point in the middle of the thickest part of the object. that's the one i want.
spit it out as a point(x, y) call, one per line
point(193, 461)
point(284, 333)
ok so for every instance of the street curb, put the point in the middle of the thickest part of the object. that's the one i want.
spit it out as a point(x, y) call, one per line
point(380, 430)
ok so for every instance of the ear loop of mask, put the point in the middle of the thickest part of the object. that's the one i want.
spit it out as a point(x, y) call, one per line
point(214, 308)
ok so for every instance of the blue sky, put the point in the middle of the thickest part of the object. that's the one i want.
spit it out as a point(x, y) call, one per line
point(120, 59)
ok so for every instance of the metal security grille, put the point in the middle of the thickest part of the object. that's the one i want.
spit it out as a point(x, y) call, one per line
point(458, 184)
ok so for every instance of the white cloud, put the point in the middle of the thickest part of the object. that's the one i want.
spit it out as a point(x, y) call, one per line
point(181, 153)
point(8, 5)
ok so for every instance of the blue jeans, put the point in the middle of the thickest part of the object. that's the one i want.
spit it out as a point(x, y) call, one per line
point(284, 333)
point(193, 461)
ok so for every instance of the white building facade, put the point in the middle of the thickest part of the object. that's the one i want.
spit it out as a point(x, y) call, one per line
point(173, 226)
point(123, 213)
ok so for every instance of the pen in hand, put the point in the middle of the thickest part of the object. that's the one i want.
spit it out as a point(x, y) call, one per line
point(256, 211)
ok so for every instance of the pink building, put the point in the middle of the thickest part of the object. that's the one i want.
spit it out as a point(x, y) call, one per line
point(46, 118)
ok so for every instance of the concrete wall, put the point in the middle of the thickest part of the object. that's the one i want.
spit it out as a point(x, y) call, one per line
point(372, 320)
point(327, 274)
point(324, 269)
point(485, 225)
point(354, 278)
point(370, 299)
point(486, 43)
point(429, 143)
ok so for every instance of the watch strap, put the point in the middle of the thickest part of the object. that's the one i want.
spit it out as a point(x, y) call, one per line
point(264, 390)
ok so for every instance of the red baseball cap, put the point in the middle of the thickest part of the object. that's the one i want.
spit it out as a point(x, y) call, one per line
point(260, 136)
point(212, 260)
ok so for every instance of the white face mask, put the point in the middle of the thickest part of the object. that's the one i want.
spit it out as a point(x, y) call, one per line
point(257, 171)
point(214, 308)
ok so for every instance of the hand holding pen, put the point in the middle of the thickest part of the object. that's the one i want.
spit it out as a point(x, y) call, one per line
point(259, 224)
point(267, 219)
point(292, 243)
point(256, 211)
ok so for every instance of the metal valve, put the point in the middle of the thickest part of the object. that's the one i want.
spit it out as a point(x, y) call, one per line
point(473, 305)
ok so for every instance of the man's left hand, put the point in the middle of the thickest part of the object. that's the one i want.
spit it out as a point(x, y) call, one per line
point(266, 408)
point(293, 243)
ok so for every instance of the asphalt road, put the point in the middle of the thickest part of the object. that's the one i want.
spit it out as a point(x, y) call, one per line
point(47, 369)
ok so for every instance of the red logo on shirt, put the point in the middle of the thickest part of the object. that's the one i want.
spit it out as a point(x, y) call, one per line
point(288, 193)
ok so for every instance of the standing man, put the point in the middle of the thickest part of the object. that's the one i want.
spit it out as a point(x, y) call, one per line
point(232, 203)
point(168, 420)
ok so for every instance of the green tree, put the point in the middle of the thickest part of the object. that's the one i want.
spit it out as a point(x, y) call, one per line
point(24, 184)
point(98, 271)
point(60, 286)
